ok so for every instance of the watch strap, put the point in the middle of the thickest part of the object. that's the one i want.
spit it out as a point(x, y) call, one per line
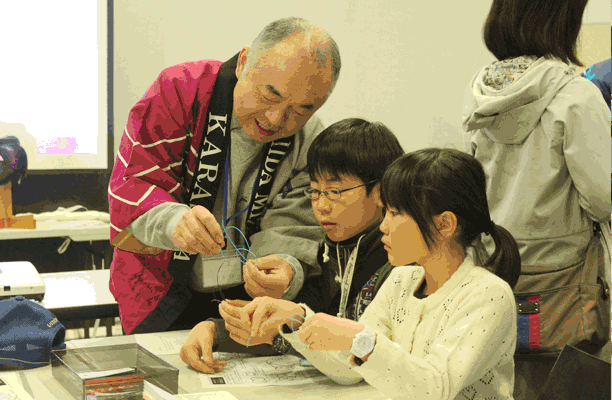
point(280, 344)
point(287, 329)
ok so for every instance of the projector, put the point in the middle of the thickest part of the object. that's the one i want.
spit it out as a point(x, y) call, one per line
point(20, 278)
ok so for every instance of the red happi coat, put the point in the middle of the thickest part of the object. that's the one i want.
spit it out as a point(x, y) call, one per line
point(145, 175)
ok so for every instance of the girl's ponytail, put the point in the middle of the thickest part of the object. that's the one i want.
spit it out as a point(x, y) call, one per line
point(428, 182)
point(505, 261)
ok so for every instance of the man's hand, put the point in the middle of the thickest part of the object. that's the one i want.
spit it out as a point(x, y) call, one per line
point(197, 350)
point(198, 232)
point(267, 276)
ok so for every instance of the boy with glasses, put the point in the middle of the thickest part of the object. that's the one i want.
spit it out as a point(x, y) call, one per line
point(345, 163)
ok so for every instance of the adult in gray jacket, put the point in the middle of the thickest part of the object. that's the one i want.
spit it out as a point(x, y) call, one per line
point(542, 134)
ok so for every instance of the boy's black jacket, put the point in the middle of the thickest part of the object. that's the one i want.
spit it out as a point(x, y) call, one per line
point(322, 293)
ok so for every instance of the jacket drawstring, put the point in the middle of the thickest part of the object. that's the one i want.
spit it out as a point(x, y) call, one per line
point(347, 278)
point(339, 276)
point(325, 253)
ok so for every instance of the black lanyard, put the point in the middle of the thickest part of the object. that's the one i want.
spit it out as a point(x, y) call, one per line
point(214, 151)
point(204, 188)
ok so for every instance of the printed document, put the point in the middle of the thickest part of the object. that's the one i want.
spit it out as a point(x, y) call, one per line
point(261, 371)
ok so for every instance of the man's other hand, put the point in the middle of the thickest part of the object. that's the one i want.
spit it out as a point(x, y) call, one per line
point(267, 276)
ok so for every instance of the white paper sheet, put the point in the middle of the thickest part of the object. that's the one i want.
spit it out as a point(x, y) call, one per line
point(152, 392)
point(261, 371)
point(164, 342)
point(105, 373)
point(82, 343)
point(12, 387)
point(159, 343)
point(208, 396)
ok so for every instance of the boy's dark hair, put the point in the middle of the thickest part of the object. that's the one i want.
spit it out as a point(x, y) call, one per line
point(353, 147)
point(541, 28)
point(428, 182)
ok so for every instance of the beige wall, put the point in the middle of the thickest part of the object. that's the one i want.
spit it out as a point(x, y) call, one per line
point(405, 63)
point(593, 45)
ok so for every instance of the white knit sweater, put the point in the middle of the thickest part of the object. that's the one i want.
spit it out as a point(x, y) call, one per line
point(457, 343)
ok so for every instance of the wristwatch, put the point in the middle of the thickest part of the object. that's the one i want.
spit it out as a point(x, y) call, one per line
point(363, 342)
point(280, 344)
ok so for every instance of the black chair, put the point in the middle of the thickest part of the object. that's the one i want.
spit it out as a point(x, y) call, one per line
point(577, 375)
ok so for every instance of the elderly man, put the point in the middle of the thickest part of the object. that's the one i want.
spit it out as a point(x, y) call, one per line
point(213, 145)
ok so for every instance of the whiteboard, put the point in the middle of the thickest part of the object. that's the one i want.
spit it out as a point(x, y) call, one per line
point(54, 82)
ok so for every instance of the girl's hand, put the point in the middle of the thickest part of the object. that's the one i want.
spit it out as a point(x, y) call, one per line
point(324, 332)
point(266, 314)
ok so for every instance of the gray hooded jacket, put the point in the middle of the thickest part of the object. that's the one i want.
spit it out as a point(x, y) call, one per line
point(544, 141)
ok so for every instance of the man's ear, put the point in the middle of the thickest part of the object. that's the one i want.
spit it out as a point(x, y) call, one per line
point(242, 61)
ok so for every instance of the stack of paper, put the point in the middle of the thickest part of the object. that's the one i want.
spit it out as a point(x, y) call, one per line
point(10, 388)
point(152, 392)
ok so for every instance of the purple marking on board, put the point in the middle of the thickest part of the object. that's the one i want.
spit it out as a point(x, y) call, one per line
point(63, 145)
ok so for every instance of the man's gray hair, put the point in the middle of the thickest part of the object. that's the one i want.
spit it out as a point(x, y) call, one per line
point(278, 30)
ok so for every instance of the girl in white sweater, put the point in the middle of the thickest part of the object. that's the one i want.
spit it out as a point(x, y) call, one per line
point(443, 330)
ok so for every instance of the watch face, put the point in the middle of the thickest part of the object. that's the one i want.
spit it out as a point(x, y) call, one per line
point(363, 343)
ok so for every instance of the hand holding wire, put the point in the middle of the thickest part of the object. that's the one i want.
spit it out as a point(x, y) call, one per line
point(236, 325)
point(198, 232)
point(267, 276)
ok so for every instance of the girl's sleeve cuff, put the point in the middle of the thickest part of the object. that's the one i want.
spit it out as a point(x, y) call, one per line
point(292, 337)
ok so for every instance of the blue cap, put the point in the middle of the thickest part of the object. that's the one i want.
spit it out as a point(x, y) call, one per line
point(28, 332)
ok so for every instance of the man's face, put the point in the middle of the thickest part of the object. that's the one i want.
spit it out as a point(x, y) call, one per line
point(280, 93)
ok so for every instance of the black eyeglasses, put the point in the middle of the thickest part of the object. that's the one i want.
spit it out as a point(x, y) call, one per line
point(333, 195)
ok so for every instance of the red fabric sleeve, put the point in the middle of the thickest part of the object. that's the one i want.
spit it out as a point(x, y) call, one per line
point(148, 163)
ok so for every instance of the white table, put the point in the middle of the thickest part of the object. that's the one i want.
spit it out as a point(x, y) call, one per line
point(40, 384)
point(80, 295)
point(79, 231)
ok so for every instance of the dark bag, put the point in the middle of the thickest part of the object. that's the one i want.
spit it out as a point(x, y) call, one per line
point(559, 305)
point(577, 376)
